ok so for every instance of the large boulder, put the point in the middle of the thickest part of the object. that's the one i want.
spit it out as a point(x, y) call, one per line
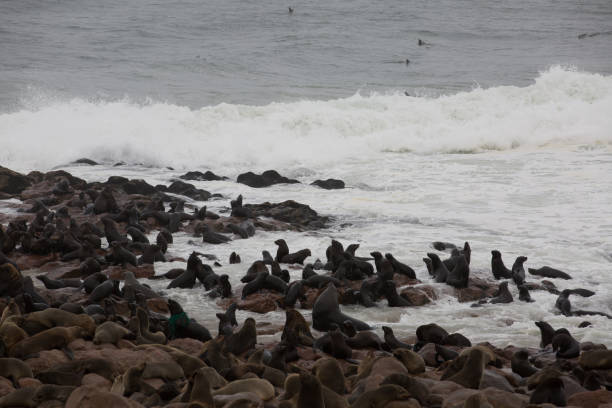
point(12, 182)
point(291, 212)
point(591, 399)
point(265, 179)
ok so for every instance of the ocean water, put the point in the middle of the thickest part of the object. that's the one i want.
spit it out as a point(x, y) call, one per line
point(504, 139)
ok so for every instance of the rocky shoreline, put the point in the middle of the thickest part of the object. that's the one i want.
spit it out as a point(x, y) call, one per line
point(92, 333)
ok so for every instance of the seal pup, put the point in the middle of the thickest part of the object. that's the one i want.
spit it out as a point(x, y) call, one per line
point(234, 258)
point(503, 295)
point(413, 385)
point(401, 268)
point(518, 271)
point(439, 270)
point(391, 341)
point(227, 320)
point(498, 268)
point(338, 347)
point(326, 310)
point(296, 330)
point(546, 333)
point(283, 255)
point(524, 295)
point(551, 390)
point(520, 364)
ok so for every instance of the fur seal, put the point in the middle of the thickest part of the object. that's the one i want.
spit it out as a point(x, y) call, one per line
point(245, 339)
point(384, 268)
point(445, 353)
point(518, 271)
point(563, 303)
point(393, 299)
point(234, 258)
point(263, 388)
point(180, 325)
point(109, 332)
point(311, 392)
point(362, 339)
point(413, 385)
point(439, 270)
point(498, 268)
point(472, 372)
point(295, 291)
point(524, 295)
point(401, 268)
point(187, 279)
point(551, 390)
point(58, 283)
point(121, 256)
point(56, 337)
point(151, 254)
point(459, 275)
point(329, 372)
point(296, 330)
point(546, 333)
point(431, 333)
point(456, 253)
point(503, 295)
point(520, 364)
point(255, 285)
point(381, 396)
point(212, 237)
point(14, 369)
point(283, 255)
point(103, 290)
point(565, 345)
point(392, 342)
point(326, 310)
point(11, 280)
point(143, 320)
point(548, 272)
point(227, 320)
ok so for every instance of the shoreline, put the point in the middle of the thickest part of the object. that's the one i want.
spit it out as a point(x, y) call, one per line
point(71, 234)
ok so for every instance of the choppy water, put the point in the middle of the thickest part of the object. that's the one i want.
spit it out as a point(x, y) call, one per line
point(521, 163)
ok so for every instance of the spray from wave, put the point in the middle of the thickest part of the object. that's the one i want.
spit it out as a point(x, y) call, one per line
point(563, 107)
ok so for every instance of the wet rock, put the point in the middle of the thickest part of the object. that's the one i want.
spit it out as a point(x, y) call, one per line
point(260, 302)
point(136, 186)
point(590, 399)
point(188, 190)
point(329, 184)
point(416, 296)
point(291, 212)
point(265, 179)
point(199, 176)
point(12, 182)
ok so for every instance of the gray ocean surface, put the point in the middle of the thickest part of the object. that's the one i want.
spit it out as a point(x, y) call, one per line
point(199, 53)
point(505, 140)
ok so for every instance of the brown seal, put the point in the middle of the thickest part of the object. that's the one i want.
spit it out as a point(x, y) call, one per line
point(56, 337)
point(329, 372)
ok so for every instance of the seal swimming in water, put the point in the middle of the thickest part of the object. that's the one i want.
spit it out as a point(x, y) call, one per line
point(326, 310)
point(498, 268)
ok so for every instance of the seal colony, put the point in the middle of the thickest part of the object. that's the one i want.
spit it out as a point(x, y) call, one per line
point(91, 332)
